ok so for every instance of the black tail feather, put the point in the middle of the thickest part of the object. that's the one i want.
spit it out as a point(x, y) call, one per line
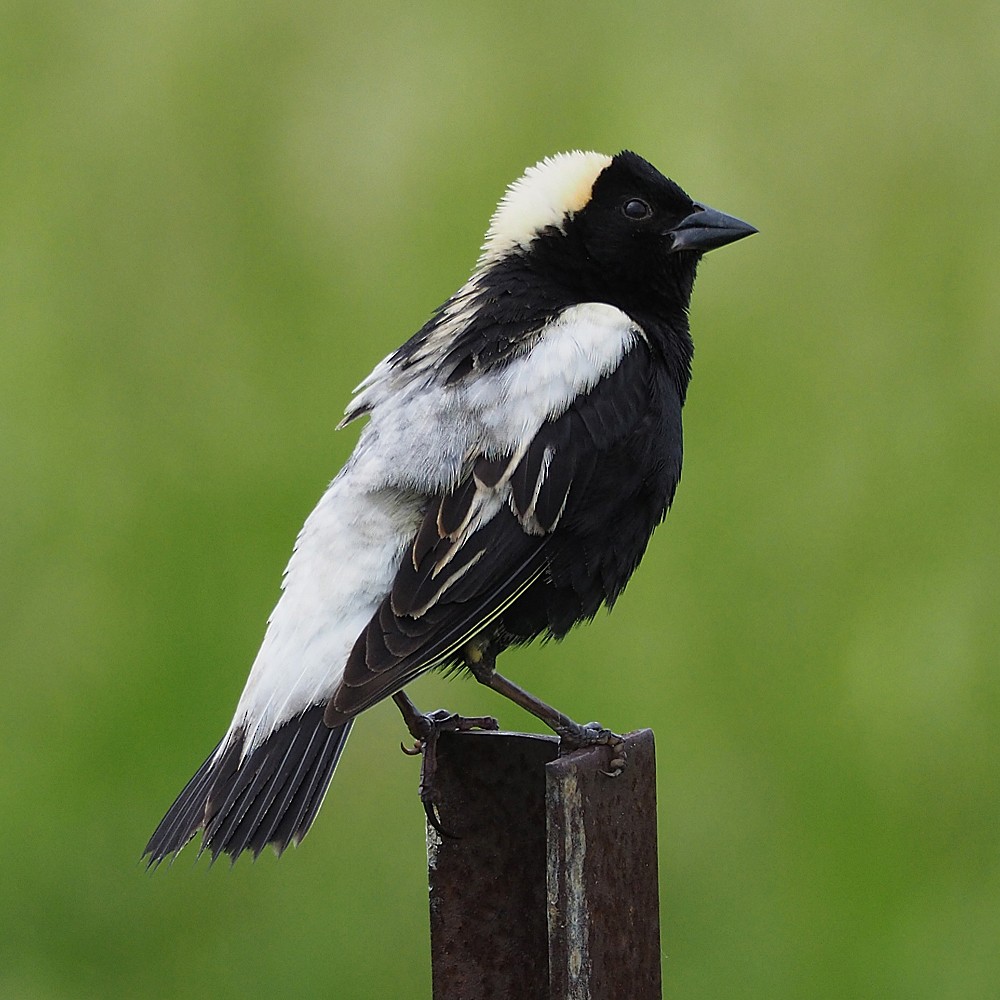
point(231, 804)
point(270, 797)
point(286, 815)
point(186, 814)
point(301, 810)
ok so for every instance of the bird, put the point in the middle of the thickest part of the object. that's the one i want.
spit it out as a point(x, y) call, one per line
point(519, 450)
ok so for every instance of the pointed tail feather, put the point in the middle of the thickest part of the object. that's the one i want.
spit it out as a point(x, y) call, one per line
point(269, 797)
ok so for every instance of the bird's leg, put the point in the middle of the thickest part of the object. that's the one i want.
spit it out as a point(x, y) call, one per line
point(425, 730)
point(481, 662)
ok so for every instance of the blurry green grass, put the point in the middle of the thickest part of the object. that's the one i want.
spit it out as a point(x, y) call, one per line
point(215, 219)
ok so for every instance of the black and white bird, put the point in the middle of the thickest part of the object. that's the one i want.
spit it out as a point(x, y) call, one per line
point(519, 451)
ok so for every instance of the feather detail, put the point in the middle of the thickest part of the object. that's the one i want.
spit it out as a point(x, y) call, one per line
point(247, 801)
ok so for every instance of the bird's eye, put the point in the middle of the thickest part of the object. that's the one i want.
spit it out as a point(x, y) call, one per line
point(636, 208)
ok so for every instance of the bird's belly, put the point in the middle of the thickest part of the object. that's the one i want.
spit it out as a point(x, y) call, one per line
point(600, 540)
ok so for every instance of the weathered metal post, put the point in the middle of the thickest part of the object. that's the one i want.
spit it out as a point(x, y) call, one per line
point(549, 891)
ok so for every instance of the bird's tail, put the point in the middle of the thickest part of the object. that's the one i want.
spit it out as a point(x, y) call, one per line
point(270, 796)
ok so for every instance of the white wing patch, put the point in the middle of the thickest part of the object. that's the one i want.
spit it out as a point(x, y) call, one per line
point(576, 350)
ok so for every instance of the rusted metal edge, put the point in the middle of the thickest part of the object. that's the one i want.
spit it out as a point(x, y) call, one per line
point(603, 889)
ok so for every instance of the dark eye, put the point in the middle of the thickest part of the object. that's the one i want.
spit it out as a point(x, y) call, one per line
point(636, 208)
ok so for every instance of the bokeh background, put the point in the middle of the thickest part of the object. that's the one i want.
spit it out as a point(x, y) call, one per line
point(215, 217)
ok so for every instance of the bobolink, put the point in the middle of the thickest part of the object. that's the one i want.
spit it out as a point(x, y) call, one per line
point(519, 451)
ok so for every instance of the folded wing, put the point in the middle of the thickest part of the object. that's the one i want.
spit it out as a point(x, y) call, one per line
point(500, 534)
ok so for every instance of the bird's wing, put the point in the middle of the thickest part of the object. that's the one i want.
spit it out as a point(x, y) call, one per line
point(482, 544)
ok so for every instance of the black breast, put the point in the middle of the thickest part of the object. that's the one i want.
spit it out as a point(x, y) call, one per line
point(623, 440)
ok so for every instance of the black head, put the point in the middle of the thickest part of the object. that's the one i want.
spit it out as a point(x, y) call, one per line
point(644, 232)
point(608, 228)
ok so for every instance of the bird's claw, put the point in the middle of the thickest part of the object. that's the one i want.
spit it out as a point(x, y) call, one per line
point(576, 737)
point(431, 811)
point(444, 721)
point(426, 729)
point(430, 725)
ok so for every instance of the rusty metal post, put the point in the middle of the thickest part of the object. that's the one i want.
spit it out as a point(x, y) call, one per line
point(549, 891)
point(603, 890)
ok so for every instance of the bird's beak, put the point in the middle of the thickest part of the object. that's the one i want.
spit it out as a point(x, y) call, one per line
point(705, 229)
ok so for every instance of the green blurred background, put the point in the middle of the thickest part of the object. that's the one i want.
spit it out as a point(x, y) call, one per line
point(215, 217)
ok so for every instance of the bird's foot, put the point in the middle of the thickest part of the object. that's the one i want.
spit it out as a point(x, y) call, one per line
point(573, 736)
point(425, 729)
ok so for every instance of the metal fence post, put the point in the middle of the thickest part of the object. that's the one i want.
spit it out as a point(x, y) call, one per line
point(549, 890)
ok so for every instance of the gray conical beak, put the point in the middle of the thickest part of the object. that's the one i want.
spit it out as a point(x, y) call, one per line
point(705, 229)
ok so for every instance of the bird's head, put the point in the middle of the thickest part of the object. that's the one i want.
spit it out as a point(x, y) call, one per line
point(609, 227)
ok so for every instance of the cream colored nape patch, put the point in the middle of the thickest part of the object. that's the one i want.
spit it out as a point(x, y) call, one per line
point(541, 197)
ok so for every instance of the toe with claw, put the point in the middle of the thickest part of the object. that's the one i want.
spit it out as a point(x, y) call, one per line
point(426, 729)
point(575, 737)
